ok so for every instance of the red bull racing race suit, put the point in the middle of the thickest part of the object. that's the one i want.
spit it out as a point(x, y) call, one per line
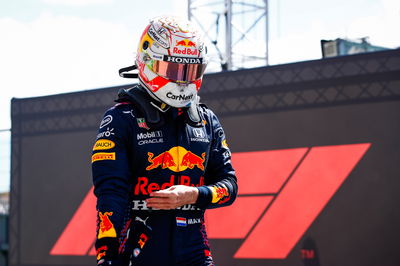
point(131, 159)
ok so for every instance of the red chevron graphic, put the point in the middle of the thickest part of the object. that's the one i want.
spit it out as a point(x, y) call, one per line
point(281, 193)
point(305, 180)
point(79, 235)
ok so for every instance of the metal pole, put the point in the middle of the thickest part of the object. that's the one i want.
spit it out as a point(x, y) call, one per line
point(233, 36)
point(189, 9)
point(228, 39)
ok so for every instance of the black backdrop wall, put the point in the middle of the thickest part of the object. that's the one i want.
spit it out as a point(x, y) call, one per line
point(315, 145)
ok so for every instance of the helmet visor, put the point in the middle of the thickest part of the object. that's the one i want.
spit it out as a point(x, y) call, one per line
point(177, 71)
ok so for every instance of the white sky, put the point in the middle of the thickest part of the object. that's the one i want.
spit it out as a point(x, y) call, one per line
point(56, 46)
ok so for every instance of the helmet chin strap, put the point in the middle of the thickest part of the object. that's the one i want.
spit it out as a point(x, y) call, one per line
point(163, 107)
point(192, 111)
point(154, 116)
point(123, 72)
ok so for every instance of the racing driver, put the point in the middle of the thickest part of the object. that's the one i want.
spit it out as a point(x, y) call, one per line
point(160, 158)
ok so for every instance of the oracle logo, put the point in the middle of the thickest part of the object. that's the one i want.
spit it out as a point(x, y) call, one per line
point(281, 193)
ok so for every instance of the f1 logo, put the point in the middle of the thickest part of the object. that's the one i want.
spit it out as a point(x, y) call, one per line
point(281, 193)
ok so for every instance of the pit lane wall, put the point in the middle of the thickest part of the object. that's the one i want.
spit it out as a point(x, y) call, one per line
point(315, 145)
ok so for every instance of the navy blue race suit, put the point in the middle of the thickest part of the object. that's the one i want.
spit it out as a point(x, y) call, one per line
point(130, 160)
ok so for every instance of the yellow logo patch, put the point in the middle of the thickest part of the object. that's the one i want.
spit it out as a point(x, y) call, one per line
point(101, 156)
point(106, 226)
point(103, 144)
point(218, 193)
point(224, 144)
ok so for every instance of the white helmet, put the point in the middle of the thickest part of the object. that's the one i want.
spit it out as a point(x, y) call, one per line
point(171, 60)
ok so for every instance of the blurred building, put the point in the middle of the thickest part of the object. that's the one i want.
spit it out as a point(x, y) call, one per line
point(4, 202)
point(338, 47)
point(4, 207)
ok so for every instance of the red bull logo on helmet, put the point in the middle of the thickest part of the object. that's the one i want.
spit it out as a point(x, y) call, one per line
point(176, 159)
point(185, 43)
point(185, 51)
point(185, 47)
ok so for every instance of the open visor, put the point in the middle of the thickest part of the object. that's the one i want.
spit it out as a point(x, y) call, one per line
point(176, 71)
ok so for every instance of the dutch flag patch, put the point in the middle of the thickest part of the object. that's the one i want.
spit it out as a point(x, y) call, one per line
point(180, 221)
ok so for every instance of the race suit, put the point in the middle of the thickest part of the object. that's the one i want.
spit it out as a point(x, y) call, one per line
point(131, 160)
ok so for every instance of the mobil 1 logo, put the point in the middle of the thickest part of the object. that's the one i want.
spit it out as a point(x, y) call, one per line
point(151, 137)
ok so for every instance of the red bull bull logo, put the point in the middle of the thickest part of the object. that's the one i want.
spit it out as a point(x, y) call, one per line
point(185, 43)
point(101, 252)
point(176, 159)
point(185, 47)
point(106, 226)
point(191, 160)
point(218, 193)
point(142, 240)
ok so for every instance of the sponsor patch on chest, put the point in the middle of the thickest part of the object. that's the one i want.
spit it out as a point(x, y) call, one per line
point(198, 135)
point(151, 137)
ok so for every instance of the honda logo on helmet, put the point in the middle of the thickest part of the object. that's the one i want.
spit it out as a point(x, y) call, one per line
point(183, 60)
